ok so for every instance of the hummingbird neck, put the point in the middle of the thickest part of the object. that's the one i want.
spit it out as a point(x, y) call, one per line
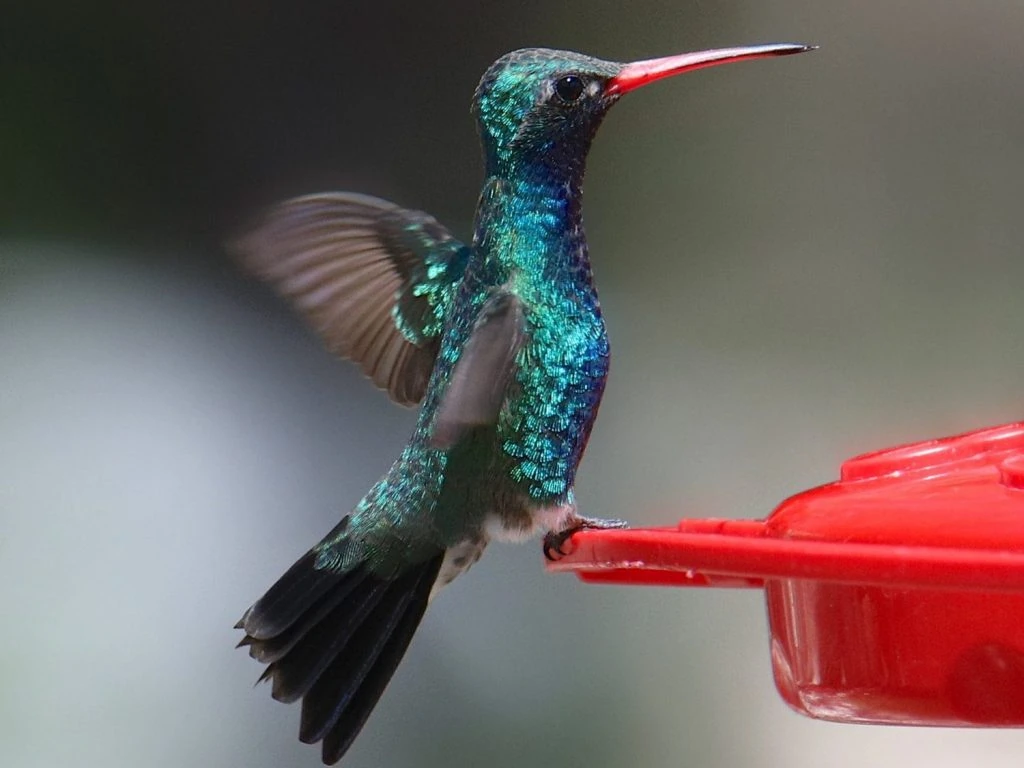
point(529, 226)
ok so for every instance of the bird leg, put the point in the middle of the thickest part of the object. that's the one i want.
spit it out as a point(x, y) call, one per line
point(555, 541)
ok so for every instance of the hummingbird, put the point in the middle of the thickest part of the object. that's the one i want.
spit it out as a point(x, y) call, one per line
point(500, 341)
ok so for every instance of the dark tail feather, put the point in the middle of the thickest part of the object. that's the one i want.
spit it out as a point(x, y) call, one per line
point(351, 719)
point(335, 640)
point(332, 710)
point(273, 648)
point(292, 595)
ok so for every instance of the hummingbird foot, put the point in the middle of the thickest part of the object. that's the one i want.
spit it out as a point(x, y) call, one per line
point(556, 543)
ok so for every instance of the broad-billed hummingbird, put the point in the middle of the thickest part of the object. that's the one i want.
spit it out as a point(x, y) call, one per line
point(501, 341)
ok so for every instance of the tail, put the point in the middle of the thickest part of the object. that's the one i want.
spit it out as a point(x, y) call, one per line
point(334, 639)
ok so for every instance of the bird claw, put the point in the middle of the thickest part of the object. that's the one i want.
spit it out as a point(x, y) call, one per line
point(555, 541)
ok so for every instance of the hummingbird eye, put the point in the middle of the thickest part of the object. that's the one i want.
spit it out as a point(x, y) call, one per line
point(569, 88)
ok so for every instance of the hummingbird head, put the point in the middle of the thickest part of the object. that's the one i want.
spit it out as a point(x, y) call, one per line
point(542, 107)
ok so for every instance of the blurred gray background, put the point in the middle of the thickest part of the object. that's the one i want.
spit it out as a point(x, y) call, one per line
point(800, 259)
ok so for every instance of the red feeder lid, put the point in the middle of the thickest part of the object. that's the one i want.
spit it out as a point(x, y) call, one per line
point(894, 595)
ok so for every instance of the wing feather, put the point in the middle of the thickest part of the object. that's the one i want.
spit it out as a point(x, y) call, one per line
point(480, 379)
point(373, 279)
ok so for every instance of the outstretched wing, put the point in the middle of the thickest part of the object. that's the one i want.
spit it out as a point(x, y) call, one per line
point(373, 279)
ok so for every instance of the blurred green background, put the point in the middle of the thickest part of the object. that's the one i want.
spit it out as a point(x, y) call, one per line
point(799, 259)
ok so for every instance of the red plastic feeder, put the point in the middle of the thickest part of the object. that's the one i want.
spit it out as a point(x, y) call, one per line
point(895, 595)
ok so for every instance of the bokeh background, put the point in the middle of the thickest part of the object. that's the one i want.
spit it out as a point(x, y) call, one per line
point(800, 259)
